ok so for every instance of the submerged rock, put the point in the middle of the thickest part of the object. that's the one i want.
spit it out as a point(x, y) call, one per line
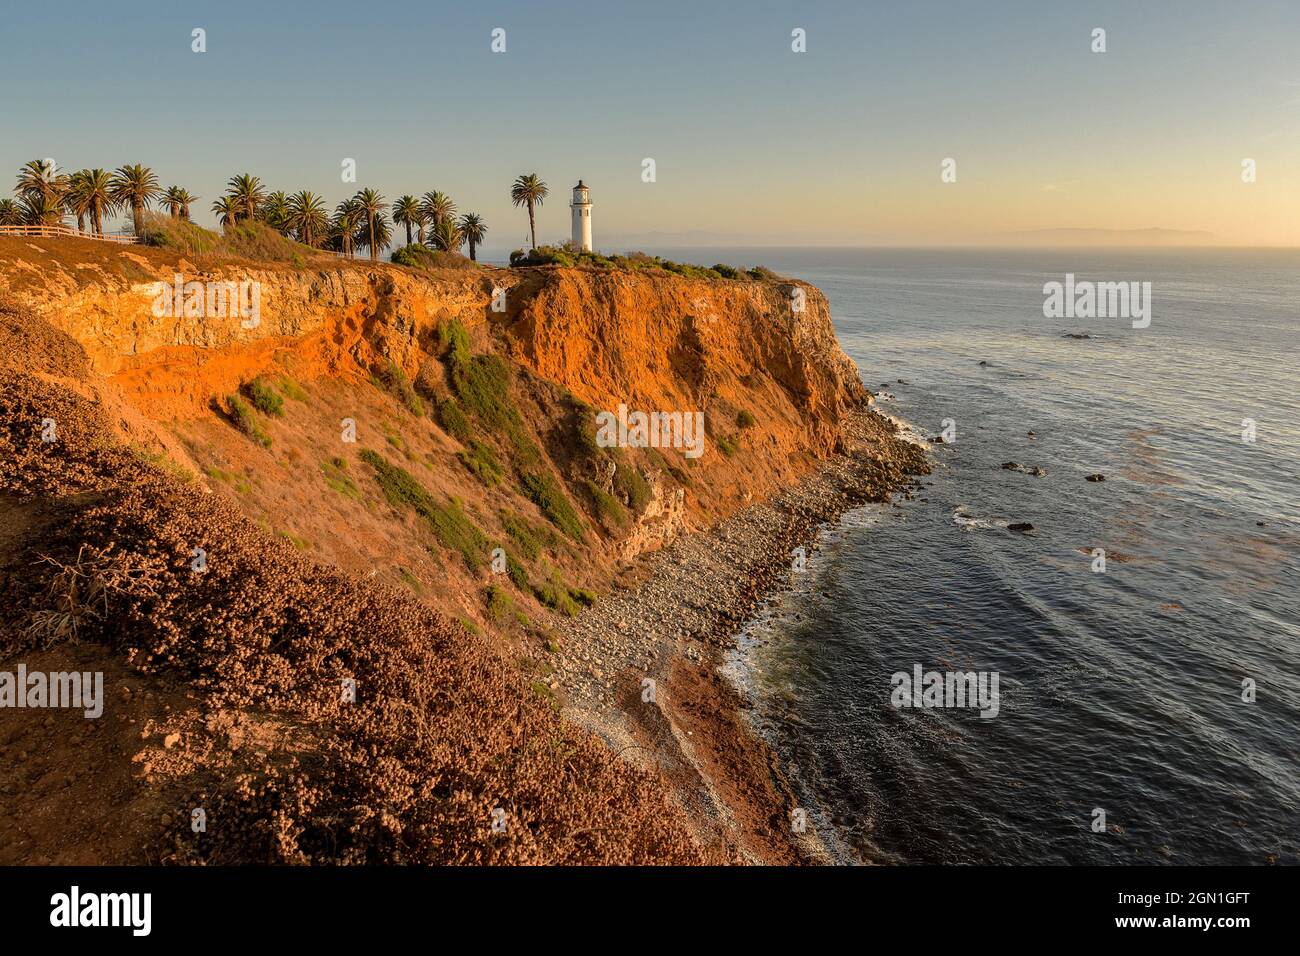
point(1020, 526)
point(1094, 477)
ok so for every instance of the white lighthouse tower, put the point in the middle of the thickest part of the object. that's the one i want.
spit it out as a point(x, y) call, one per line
point(581, 207)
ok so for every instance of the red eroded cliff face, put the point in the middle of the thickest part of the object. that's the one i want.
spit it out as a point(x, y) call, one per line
point(758, 359)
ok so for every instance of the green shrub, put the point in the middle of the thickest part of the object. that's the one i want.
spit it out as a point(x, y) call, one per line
point(395, 381)
point(608, 508)
point(725, 445)
point(177, 235)
point(335, 472)
point(453, 338)
point(544, 492)
point(555, 594)
point(422, 257)
point(242, 417)
point(449, 522)
point(522, 533)
point(631, 484)
point(500, 605)
point(517, 572)
point(583, 417)
point(292, 389)
point(410, 580)
point(456, 532)
point(453, 420)
point(264, 398)
point(744, 419)
point(481, 462)
point(248, 240)
point(482, 386)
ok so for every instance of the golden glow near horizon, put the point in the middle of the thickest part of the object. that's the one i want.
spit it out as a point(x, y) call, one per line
point(1185, 201)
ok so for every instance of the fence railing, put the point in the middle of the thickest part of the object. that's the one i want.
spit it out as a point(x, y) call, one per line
point(46, 232)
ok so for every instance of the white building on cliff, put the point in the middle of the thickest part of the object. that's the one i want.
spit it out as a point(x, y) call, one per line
point(581, 211)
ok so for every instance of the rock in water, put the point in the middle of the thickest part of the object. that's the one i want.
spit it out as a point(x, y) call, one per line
point(1020, 526)
point(1095, 478)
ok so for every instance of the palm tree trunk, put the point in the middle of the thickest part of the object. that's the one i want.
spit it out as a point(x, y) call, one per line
point(532, 225)
point(81, 222)
point(374, 253)
point(471, 251)
point(408, 233)
point(136, 210)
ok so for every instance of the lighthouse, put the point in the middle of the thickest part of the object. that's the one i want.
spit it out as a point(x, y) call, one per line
point(581, 208)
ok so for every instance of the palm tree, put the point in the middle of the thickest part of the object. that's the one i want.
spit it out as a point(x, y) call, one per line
point(75, 199)
point(343, 227)
point(372, 206)
point(41, 178)
point(274, 211)
point(39, 210)
point(307, 218)
point(446, 236)
point(97, 186)
point(529, 191)
point(135, 186)
point(437, 206)
point(383, 234)
point(177, 199)
point(406, 212)
point(226, 210)
point(10, 214)
point(171, 200)
point(247, 192)
point(473, 229)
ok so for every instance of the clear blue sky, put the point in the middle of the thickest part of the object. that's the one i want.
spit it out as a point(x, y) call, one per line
point(840, 145)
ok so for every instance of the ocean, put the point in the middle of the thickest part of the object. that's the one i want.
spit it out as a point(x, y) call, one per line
point(1162, 691)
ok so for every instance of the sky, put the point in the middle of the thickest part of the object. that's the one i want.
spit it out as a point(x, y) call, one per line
point(753, 143)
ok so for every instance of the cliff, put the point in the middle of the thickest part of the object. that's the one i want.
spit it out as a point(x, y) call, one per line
point(378, 434)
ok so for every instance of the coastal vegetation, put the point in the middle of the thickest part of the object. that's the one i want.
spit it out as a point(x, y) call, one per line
point(44, 196)
point(250, 214)
point(570, 255)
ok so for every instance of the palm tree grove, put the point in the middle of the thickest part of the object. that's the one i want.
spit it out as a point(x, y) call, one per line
point(44, 196)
